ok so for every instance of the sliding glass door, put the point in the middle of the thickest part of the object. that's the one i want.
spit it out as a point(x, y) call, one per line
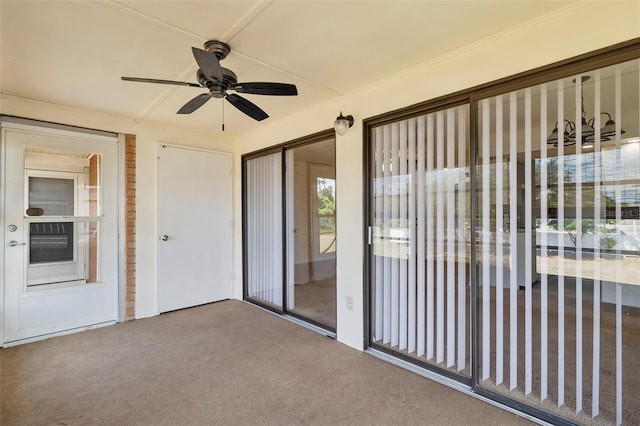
point(504, 242)
point(290, 234)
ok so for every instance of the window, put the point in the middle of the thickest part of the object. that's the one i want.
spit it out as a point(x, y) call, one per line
point(62, 217)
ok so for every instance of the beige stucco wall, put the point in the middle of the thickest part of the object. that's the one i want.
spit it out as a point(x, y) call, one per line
point(578, 29)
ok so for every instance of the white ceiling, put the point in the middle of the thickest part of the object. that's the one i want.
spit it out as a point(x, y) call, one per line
point(73, 53)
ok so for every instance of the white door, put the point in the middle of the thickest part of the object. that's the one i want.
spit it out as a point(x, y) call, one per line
point(194, 227)
point(60, 233)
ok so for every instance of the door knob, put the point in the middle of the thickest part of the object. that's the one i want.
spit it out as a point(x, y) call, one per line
point(14, 243)
point(164, 238)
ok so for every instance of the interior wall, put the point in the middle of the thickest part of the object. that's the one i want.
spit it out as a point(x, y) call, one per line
point(577, 29)
point(301, 212)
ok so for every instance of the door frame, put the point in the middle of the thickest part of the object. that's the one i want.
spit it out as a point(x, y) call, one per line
point(54, 129)
point(281, 149)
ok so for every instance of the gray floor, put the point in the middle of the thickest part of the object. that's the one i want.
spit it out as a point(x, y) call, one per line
point(224, 363)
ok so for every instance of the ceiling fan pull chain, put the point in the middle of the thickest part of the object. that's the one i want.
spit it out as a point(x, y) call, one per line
point(223, 116)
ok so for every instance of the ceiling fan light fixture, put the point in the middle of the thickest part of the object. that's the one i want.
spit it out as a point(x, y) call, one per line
point(342, 124)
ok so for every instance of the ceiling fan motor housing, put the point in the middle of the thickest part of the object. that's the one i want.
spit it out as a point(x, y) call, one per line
point(229, 79)
point(218, 48)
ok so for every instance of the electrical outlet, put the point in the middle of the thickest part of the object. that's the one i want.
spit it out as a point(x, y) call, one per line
point(350, 303)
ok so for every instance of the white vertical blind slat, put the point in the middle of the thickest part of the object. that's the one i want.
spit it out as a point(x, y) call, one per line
point(440, 226)
point(513, 243)
point(595, 373)
point(420, 239)
point(560, 178)
point(578, 111)
point(449, 184)
point(499, 241)
point(395, 252)
point(412, 236)
point(430, 257)
point(404, 224)
point(486, 232)
point(462, 261)
point(528, 255)
point(544, 284)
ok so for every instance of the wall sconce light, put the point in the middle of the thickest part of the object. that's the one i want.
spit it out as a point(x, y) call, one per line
point(342, 123)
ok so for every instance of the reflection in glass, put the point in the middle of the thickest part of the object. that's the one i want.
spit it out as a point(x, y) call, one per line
point(311, 232)
point(421, 233)
point(559, 248)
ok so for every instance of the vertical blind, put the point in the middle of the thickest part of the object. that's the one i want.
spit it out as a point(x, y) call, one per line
point(559, 247)
point(420, 238)
point(263, 225)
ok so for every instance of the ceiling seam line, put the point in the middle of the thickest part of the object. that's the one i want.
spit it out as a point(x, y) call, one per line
point(202, 39)
point(155, 20)
point(289, 73)
point(245, 20)
point(164, 95)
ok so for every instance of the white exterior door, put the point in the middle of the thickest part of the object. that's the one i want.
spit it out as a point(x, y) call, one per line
point(194, 227)
point(60, 232)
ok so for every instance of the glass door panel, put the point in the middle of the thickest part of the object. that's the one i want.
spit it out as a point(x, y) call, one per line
point(420, 228)
point(558, 245)
point(311, 232)
point(263, 230)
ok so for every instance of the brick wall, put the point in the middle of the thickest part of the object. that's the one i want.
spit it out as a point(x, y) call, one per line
point(130, 225)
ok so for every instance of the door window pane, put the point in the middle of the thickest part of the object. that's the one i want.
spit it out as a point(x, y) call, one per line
point(56, 197)
point(63, 252)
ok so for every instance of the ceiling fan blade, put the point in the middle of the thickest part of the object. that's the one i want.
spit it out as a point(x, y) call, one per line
point(248, 107)
point(208, 63)
point(194, 103)
point(153, 80)
point(273, 89)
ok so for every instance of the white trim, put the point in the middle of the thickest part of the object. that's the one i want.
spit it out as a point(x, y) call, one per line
point(122, 228)
point(71, 134)
point(58, 333)
point(3, 228)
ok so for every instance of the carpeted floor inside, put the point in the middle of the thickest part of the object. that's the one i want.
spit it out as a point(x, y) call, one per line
point(316, 300)
point(223, 363)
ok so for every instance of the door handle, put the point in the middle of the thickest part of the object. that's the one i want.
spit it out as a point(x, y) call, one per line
point(165, 238)
point(14, 243)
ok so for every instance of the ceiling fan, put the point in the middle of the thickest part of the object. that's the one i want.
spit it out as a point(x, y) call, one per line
point(218, 80)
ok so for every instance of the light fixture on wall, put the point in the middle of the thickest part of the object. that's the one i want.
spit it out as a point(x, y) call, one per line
point(342, 124)
point(569, 133)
